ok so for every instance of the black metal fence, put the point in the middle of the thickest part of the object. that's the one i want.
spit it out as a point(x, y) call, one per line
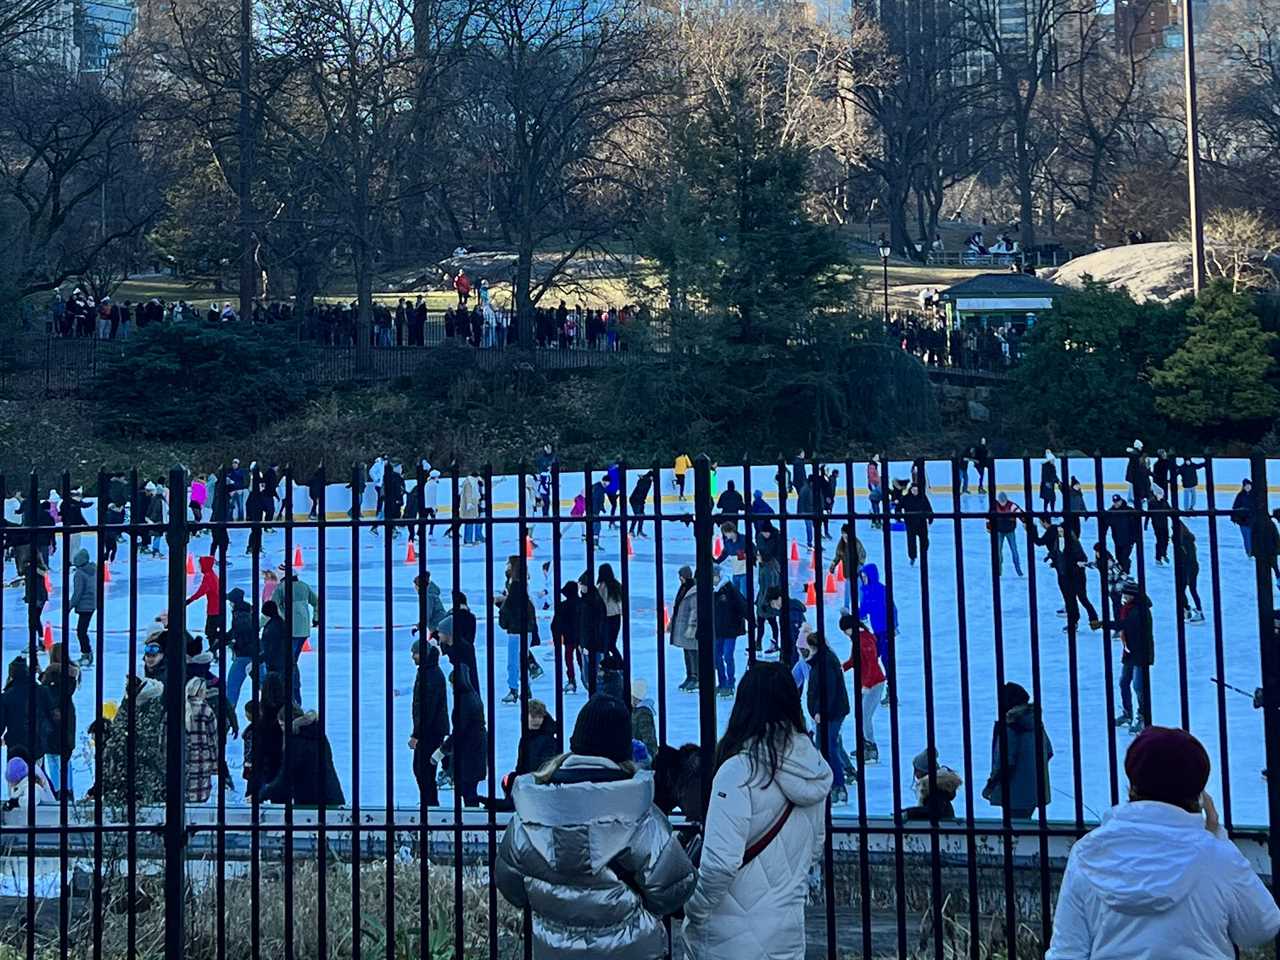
point(166, 853)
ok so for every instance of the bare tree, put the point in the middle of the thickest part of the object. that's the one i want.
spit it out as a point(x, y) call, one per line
point(1242, 247)
point(21, 23)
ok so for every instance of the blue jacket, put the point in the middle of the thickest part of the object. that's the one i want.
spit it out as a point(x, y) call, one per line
point(613, 479)
point(873, 603)
point(759, 507)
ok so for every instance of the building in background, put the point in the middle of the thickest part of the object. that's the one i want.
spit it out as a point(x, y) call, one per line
point(1143, 25)
point(101, 26)
point(54, 38)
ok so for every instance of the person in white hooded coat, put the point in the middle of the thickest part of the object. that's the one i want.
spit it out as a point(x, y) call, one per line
point(1159, 878)
point(765, 827)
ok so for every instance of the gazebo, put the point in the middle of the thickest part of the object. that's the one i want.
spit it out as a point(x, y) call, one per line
point(996, 299)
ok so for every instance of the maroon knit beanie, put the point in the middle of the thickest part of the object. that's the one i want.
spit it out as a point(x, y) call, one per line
point(1167, 765)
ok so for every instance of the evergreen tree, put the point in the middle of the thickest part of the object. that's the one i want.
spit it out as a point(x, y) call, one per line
point(1221, 376)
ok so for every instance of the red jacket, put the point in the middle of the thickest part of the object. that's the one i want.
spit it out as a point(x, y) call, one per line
point(209, 588)
point(462, 284)
point(872, 674)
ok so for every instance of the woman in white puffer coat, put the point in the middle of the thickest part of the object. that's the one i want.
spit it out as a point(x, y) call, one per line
point(764, 830)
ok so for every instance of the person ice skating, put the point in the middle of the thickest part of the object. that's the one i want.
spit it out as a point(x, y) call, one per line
point(1186, 565)
point(870, 679)
point(733, 550)
point(457, 631)
point(805, 508)
point(1159, 510)
point(307, 776)
point(564, 633)
point(596, 510)
point(610, 589)
point(875, 490)
point(1121, 520)
point(1159, 877)
point(683, 464)
point(60, 680)
point(1004, 522)
point(786, 615)
point(849, 557)
point(465, 745)
point(518, 620)
point(300, 618)
point(730, 502)
point(1074, 508)
point(770, 555)
point(1070, 563)
point(393, 494)
point(1020, 755)
point(1189, 480)
point(827, 699)
point(983, 465)
point(83, 601)
point(731, 614)
point(430, 605)
point(917, 513)
point(638, 501)
point(684, 626)
point(1137, 474)
point(209, 588)
point(764, 827)
point(874, 607)
point(430, 718)
point(246, 658)
point(1133, 623)
point(935, 788)
point(201, 726)
point(1049, 482)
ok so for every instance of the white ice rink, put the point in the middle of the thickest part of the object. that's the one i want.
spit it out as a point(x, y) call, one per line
point(1228, 593)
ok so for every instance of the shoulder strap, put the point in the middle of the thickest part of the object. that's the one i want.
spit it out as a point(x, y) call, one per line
point(760, 845)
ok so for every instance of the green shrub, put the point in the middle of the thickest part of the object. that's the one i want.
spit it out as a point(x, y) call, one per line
point(196, 381)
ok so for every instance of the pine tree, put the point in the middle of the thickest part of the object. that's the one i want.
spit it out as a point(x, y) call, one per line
point(1221, 376)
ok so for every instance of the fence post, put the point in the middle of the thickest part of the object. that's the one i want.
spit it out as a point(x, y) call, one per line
point(175, 699)
point(1263, 550)
point(703, 585)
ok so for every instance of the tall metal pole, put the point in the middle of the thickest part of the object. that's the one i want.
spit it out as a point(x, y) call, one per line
point(175, 699)
point(248, 279)
point(1193, 147)
point(884, 261)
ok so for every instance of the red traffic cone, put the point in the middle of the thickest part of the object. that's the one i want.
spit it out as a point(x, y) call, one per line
point(306, 645)
point(297, 557)
point(191, 565)
point(666, 616)
point(717, 546)
point(410, 555)
point(631, 551)
point(810, 595)
point(795, 551)
point(528, 545)
point(839, 573)
point(48, 582)
point(831, 583)
point(48, 637)
point(106, 572)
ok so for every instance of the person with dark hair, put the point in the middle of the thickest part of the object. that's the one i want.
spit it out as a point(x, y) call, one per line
point(827, 700)
point(83, 601)
point(264, 738)
point(430, 719)
point(764, 827)
point(1186, 568)
point(564, 633)
point(1133, 623)
point(592, 637)
point(519, 621)
point(1159, 877)
point(610, 589)
point(684, 626)
point(870, 679)
point(465, 747)
point(730, 618)
point(1122, 520)
point(638, 500)
point(133, 760)
point(1019, 779)
point(307, 775)
point(588, 852)
point(917, 514)
point(60, 680)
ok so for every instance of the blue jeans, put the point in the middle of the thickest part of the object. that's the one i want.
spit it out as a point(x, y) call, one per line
point(1011, 538)
point(740, 582)
point(298, 644)
point(808, 534)
point(237, 673)
point(876, 498)
point(513, 661)
point(1246, 534)
point(724, 661)
point(831, 752)
point(470, 532)
point(53, 766)
point(1139, 678)
point(1189, 498)
point(964, 479)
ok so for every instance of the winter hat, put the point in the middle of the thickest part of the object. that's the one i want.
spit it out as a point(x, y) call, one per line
point(15, 772)
point(685, 573)
point(924, 760)
point(1167, 765)
point(1137, 445)
point(414, 647)
point(603, 729)
point(109, 709)
point(1129, 588)
point(639, 688)
point(1002, 498)
point(1048, 454)
point(1013, 695)
point(235, 595)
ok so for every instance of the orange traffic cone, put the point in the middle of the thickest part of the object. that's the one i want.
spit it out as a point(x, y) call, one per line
point(48, 637)
point(48, 582)
point(810, 595)
point(795, 551)
point(106, 572)
point(839, 573)
point(717, 547)
point(306, 645)
point(666, 616)
point(410, 555)
point(631, 551)
point(191, 565)
point(528, 545)
point(297, 557)
point(831, 583)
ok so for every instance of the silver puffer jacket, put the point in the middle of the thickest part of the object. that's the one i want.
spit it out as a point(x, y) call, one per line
point(594, 860)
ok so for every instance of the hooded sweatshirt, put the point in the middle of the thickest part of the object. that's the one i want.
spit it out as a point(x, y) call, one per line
point(873, 603)
point(757, 911)
point(84, 584)
point(1151, 881)
point(209, 588)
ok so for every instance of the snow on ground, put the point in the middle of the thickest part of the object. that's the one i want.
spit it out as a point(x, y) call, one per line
point(377, 745)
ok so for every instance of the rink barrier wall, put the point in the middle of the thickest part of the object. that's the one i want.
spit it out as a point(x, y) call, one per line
point(202, 840)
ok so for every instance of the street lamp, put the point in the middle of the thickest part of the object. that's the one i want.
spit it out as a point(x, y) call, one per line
point(885, 250)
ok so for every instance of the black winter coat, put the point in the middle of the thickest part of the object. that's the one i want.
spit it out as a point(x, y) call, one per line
point(730, 611)
point(308, 777)
point(1134, 625)
point(825, 694)
point(467, 744)
point(430, 703)
point(591, 621)
point(21, 739)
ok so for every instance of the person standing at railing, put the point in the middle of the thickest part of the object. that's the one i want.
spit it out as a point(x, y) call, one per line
point(1160, 877)
point(764, 828)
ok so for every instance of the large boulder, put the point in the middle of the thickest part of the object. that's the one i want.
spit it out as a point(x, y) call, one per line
point(1149, 271)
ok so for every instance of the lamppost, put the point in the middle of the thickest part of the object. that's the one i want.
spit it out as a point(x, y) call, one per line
point(885, 250)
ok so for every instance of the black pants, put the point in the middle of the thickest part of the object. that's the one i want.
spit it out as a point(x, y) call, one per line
point(680, 484)
point(1162, 543)
point(1124, 552)
point(219, 540)
point(82, 631)
point(1188, 585)
point(424, 771)
point(614, 626)
point(917, 542)
point(1073, 596)
point(637, 520)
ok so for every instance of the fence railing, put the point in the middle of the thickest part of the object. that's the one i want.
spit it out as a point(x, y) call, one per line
point(171, 827)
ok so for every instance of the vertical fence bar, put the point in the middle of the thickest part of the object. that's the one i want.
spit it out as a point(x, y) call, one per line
point(1102, 563)
point(322, 622)
point(1219, 658)
point(659, 605)
point(1269, 655)
point(99, 741)
point(852, 573)
point(702, 533)
point(392, 492)
point(291, 586)
point(175, 658)
point(1073, 629)
point(491, 658)
point(930, 714)
point(456, 528)
point(358, 476)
